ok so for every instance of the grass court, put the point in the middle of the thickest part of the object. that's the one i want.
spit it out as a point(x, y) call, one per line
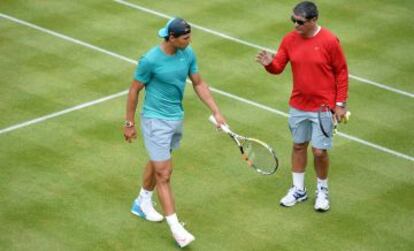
point(68, 179)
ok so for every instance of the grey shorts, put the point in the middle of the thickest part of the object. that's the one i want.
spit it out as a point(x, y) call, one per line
point(161, 137)
point(304, 127)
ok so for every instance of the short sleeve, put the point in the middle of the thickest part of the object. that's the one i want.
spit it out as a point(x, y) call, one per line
point(193, 69)
point(143, 71)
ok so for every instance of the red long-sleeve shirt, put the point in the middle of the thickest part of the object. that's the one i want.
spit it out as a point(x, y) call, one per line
point(320, 72)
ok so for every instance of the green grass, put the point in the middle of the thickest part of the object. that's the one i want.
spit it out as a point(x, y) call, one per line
point(67, 183)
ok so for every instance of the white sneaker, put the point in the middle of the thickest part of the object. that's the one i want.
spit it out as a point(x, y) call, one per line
point(182, 236)
point(146, 211)
point(322, 201)
point(293, 196)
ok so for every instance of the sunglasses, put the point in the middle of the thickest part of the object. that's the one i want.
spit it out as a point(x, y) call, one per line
point(299, 22)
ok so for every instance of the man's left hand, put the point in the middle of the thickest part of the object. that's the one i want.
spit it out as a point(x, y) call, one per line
point(340, 114)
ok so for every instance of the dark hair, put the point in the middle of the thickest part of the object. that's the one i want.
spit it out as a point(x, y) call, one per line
point(306, 9)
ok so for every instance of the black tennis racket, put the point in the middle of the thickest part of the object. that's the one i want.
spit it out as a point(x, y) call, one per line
point(257, 154)
point(327, 121)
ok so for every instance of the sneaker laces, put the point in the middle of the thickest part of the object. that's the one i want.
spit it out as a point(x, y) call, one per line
point(179, 230)
point(322, 191)
point(148, 205)
point(294, 190)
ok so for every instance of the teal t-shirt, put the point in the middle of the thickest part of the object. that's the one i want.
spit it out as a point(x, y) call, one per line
point(164, 77)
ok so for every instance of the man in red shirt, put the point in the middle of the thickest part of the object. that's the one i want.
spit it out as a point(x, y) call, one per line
point(320, 78)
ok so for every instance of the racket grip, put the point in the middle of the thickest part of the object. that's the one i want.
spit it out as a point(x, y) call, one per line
point(225, 128)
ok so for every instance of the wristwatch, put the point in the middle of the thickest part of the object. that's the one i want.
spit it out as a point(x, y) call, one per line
point(341, 104)
point(129, 124)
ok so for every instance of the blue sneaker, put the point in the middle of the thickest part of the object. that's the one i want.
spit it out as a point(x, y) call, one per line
point(293, 196)
point(146, 211)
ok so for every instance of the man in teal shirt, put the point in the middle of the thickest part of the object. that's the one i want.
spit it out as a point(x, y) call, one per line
point(164, 77)
point(163, 71)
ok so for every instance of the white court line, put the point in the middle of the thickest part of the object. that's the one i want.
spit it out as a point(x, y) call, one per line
point(367, 81)
point(64, 37)
point(240, 99)
point(56, 114)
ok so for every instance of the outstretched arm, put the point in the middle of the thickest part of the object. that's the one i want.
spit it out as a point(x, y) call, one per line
point(264, 58)
point(203, 92)
point(274, 63)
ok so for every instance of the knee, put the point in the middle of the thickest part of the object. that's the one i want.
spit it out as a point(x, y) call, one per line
point(320, 153)
point(300, 147)
point(163, 176)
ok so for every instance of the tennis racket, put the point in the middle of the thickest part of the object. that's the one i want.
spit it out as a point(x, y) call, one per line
point(257, 154)
point(328, 122)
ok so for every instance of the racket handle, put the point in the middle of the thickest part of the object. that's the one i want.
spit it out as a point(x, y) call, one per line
point(224, 127)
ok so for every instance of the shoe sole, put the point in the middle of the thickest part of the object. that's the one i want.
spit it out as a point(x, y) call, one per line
point(187, 243)
point(145, 218)
point(142, 215)
point(291, 205)
point(321, 210)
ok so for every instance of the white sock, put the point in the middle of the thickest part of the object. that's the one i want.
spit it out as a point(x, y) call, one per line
point(298, 180)
point(144, 195)
point(172, 221)
point(322, 183)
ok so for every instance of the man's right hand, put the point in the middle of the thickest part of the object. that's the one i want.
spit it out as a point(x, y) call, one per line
point(264, 57)
point(130, 133)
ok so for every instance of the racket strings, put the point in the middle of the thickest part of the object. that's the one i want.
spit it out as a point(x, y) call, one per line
point(259, 157)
